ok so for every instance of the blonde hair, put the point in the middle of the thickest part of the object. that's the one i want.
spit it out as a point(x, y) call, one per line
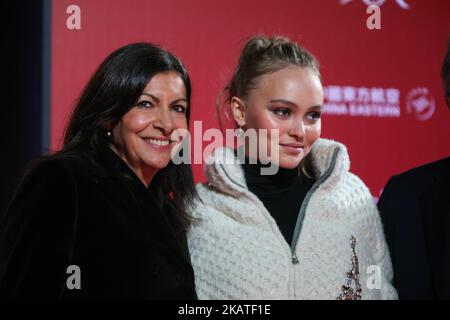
point(263, 55)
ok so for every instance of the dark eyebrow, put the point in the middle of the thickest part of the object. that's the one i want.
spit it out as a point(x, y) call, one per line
point(284, 101)
point(180, 100)
point(150, 95)
point(290, 103)
point(319, 106)
point(157, 99)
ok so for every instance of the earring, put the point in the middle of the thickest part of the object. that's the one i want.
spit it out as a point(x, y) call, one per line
point(240, 132)
point(108, 134)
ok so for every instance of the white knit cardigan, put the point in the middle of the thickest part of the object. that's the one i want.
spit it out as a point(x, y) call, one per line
point(238, 251)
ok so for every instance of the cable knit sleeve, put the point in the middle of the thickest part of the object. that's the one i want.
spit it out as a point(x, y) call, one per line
point(371, 226)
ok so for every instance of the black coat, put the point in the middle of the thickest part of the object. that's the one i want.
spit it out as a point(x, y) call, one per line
point(91, 210)
point(415, 209)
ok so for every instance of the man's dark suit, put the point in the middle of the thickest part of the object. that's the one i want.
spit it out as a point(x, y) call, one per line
point(415, 209)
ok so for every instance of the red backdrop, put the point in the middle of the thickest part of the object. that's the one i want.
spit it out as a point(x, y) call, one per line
point(384, 93)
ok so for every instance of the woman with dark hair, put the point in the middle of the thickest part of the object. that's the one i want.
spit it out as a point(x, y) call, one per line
point(308, 230)
point(105, 217)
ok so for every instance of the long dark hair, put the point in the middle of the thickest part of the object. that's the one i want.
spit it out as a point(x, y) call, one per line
point(110, 93)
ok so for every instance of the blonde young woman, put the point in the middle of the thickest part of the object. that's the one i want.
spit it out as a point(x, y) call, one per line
point(310, 231)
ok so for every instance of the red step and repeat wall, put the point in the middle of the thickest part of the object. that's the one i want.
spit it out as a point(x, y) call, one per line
point(384, 97)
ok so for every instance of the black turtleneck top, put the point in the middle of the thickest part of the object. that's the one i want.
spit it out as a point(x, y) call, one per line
point(282, 194)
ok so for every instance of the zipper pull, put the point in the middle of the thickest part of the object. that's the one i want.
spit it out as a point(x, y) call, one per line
point(294, 258)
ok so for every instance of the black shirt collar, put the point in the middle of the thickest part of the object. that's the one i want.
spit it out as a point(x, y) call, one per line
point(266, 185)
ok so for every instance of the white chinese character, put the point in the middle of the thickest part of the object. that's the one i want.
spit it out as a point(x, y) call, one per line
point(377, 95)
point(349, 94)
point(393, 96)
point(363, 95)
point(334, 94)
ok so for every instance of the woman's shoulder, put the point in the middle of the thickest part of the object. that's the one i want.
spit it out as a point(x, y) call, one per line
point(202, 206)
point(58, 165)
point(55, 170)
point(211, 204)
point(46, 188)
point(348, 194)
point(360, 195)
point(355, 183)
